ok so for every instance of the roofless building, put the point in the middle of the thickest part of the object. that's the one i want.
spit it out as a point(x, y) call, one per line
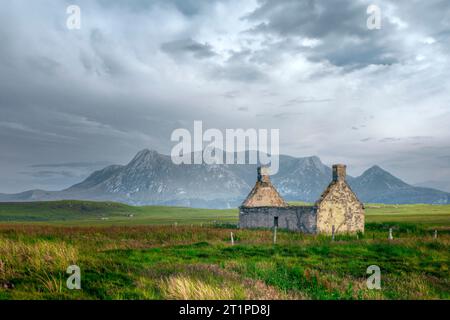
point(338, 208)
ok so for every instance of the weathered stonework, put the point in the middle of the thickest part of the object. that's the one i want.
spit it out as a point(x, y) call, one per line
point(337, 208)
point(264, 193)
point(293, 218)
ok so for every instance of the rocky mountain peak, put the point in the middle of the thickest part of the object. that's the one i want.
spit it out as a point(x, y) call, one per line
point(375, 170)
point(145, 155)
point(152, 178)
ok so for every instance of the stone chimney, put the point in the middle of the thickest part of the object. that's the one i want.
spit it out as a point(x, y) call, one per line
point(263, 174)
point(339, 172)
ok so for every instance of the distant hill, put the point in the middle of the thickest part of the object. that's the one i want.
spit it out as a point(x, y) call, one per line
point(379, 186)
point(75, 212)
point(441, 185)
point(152, 179)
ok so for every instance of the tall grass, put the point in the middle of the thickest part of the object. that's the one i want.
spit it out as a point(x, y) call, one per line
point(183, 262)
point(185, 288)
point(35, 257)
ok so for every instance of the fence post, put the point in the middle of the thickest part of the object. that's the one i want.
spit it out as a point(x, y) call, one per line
point(275, 234)
point(435, 234)
point(232, 239)
point(390, 234)
point(332, 233)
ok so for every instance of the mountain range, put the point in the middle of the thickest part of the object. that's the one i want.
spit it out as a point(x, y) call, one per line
point(152, 178)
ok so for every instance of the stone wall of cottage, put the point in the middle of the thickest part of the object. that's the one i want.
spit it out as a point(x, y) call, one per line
point(340, 208)
point(295, 218)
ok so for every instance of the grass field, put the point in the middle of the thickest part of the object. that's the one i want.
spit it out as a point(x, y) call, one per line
point(85, 213)
point(180, 253)
point(108, 213)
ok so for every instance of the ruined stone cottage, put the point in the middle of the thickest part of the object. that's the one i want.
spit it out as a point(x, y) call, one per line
point(338, 208)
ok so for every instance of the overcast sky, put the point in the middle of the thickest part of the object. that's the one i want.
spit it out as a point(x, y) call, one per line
point(72, 101)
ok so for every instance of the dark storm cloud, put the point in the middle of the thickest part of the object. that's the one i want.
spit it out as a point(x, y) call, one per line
point(315, 19)
point(186, 7)
point(340, 26)
point(431, 16)
point(179, 49)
